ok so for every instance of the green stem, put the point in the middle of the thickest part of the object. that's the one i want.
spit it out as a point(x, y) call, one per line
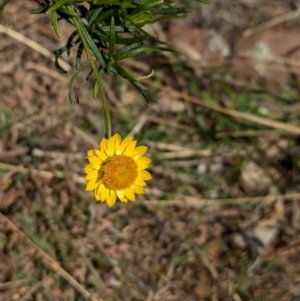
point(99, 82)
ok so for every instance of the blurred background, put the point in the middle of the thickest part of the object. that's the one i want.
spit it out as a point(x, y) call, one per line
point(221, 218)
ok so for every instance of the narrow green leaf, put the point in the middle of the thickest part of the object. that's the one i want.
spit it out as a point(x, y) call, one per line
point(138, 50)
point(127, 49)
point(103, 16)
point(96, 86)
point(66, 48)
point(142, 90)
point(55, 24)
point(112, 38)
point(126, 4)
point(71, 42)
point(120, 29)
point(135, 81)
point(3, 5)
point(63, 49)
point(78, 56)
point(90, 42)
point(80, 9)
point(39, 10)
point(72, 80)
point(107, 2)
point(93, 15)
point(118, 40)
point(117, 69)
point(147, 6)
point(68, 12)
point(172, 11)
point(152, 38)
point(56, 6)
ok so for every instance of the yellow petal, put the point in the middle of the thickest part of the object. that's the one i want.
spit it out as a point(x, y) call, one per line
point(95, 167)
point(100, 188)
point(111, 199)
point(88, 168)
point(117, 146)
point(117, 137)
point(129, 194)
point(110, 148)
point(94, 160)
point(91, 152)
point(125, 143)
point(140, 182)
point(145, 175)
point(97, 196)
point(92, 175)
point(139, 151)
point(101, 155)
point(129, 149)
point(91, 185)
point(143, 162)
point(138, 189)
point(103, 144)
point(120, 194)
point(118, 140)
point(104, 194)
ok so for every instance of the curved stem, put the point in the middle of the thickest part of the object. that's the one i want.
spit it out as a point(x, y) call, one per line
point(99, 82)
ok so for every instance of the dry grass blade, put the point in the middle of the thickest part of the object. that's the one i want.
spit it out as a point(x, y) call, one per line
point(199, 202)
point(211, 205)
point(49, 261)
point(46, 71)
point(28, 295)
point(208, 265)
point(41, 173)
point(80, 133)
point(187, 153)
point(271, 23)
point(13, 284)
point(137, 128)
point(167, 146)
point(272, 59)
point(251, 133)
point(237, 114)
point(170, 123)
point(33, 45)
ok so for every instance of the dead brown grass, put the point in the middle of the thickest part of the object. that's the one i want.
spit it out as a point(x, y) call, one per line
point(220, 220)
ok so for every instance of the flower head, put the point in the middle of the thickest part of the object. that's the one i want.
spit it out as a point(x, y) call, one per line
point(117, 169)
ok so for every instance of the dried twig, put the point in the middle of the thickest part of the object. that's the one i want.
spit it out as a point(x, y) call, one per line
point(42, 173)
point(186, 154)
point(208, 265)
point(13, 284)
point(237, 114)
point(170, 123)
point(137, 128)
point(49, 261)
point(33, 45)
point(281, 126)
point(272, 22)
point(199, 202)
point(271, 58)
point(14, 152)
point(28, 295)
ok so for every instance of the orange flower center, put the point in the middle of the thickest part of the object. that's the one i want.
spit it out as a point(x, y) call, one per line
point(119, 172)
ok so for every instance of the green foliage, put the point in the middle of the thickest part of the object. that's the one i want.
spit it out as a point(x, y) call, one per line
point(111, 30)
point(108, 32)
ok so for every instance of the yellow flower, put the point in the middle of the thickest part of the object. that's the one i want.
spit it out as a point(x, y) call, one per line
point(117, 169)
